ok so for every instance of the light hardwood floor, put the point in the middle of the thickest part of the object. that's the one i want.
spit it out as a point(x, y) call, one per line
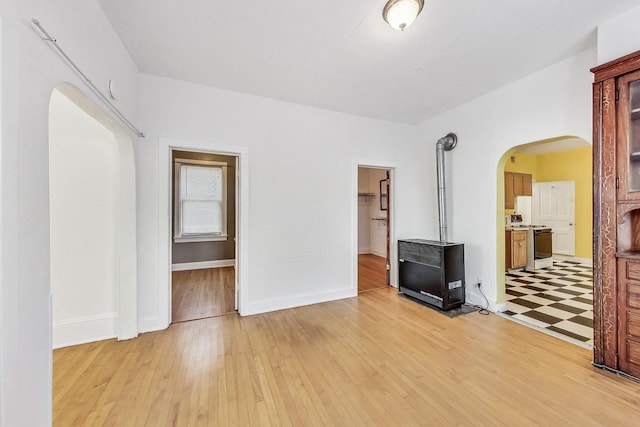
point(372, 272)
point(377, 359)
point(196, 294)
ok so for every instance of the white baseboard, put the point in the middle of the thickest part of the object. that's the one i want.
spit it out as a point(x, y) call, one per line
point(81, 330)
point(474, 298)
point(499, 308)
point(297, 301)
point(203, 264)
point(587, 261)
point(367, 251)
point(150, 324)
point(381, 253)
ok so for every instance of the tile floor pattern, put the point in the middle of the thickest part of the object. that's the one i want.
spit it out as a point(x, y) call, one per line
point(558, 298)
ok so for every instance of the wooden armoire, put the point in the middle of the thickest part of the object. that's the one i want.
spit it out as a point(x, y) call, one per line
point(616, 214)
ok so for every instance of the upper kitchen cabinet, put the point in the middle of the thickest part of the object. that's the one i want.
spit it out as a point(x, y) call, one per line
point(522, 184)
point(616, 214)
point(516, 184)
point(509, 193)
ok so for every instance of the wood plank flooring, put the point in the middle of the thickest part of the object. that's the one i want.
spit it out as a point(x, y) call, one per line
point(196, 294)
point(377, 359)
point(372, 272)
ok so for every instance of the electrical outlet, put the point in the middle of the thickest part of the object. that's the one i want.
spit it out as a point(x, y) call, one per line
point(479, 281)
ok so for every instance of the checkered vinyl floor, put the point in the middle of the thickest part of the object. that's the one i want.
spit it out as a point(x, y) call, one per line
point(558, 298)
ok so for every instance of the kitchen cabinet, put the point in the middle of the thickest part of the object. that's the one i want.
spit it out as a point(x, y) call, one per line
point(509, 193)
point(516, 184)
point(515, 243)
point(616, 219)
point(522, 184)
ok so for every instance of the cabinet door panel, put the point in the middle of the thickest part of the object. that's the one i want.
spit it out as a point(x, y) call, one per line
point(518, 184)
point(633, 325)
point(509, 200)
point(520, 253)
point(527, 185)
point(628, 139)
point(633, 351)
point(633, 270)
point(633, 295)
point(518, 248)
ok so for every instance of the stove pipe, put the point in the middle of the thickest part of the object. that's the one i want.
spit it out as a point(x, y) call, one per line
point(446, 143)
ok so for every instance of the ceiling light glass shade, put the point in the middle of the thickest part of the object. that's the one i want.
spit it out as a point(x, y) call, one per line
point(401, 13)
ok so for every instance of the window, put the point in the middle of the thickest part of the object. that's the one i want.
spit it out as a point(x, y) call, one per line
point(200, 212)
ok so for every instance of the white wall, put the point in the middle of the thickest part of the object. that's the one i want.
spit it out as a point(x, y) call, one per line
point(82, 191)
point(619, 36)
point(302, 172)
point(553, 102)
point(30, 71)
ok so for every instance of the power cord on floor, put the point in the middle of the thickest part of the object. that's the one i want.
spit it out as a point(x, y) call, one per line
point(482, 310)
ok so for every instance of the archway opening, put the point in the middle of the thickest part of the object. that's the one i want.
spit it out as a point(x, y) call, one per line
point(92, 222)
point(545, 237)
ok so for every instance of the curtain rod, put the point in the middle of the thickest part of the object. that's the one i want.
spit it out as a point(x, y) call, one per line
point(85, 79)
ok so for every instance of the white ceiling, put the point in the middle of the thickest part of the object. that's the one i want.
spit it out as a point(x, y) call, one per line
point(341, 55)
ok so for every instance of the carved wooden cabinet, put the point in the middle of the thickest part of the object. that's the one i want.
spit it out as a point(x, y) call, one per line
point(616, 220)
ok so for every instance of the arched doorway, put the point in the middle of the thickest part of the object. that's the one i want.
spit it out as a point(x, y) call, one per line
point(547, 259)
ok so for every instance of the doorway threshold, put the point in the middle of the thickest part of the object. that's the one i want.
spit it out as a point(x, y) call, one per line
point(546, 331)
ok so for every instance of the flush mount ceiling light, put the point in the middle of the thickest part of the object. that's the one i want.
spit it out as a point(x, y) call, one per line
point(401, 13)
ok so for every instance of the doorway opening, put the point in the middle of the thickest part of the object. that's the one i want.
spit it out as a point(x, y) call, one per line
point(92, 223)
point(374, 231)
point(203, 238)
point(548, 234)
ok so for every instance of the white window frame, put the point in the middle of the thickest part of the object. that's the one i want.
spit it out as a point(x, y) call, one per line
point(208, 237)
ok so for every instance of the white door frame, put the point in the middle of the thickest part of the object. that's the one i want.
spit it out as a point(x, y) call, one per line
point(393, 258)
point(165, 146)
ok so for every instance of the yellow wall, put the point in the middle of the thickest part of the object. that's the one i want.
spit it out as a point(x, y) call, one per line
point(522, 163)
point(573, 165)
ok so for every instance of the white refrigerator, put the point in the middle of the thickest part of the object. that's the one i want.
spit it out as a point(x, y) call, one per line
point(523, 207)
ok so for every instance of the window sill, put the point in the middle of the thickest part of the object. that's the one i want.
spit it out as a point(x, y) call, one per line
point(193, 239)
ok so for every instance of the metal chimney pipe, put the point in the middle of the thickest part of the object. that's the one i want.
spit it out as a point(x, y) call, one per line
point(446, 143)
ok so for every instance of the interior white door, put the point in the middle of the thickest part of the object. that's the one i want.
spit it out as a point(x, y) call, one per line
point(554, 205)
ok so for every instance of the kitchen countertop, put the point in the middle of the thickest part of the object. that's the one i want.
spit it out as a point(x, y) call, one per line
point(528, 227)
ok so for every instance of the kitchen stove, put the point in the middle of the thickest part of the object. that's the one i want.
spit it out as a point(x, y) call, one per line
point(539, 248)
point(525, 226)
